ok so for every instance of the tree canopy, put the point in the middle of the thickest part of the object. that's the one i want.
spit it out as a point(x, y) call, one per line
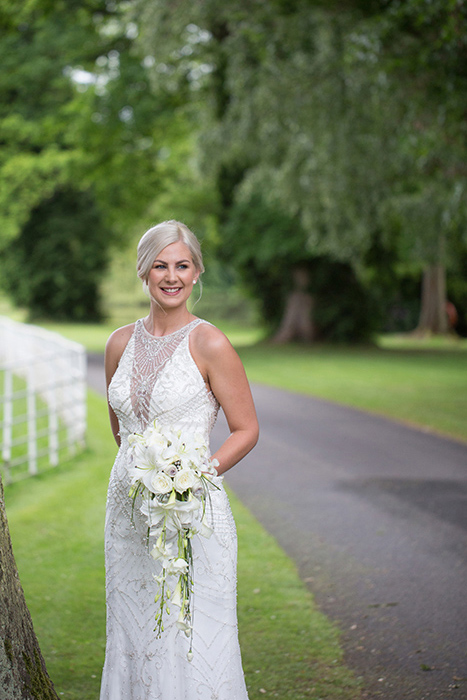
point(347, 121)
point(334, 133)
point(77, 117)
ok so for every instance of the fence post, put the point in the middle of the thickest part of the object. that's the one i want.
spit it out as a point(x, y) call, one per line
point(53, 417)
point(32, 425)
point(81, 399)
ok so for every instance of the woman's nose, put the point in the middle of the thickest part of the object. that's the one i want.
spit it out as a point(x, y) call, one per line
point(171, 274)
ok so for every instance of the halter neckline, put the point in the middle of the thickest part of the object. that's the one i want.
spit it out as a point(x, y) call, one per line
point(167, 335)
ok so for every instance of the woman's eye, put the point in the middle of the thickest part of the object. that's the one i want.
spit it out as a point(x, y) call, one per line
point(161, 266)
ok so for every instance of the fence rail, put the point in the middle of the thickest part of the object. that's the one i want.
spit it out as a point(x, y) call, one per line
point(43, 400)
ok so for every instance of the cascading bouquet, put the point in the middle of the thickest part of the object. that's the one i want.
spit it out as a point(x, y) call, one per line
point(171, 473)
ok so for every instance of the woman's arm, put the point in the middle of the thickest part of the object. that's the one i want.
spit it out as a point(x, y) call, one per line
point(223, 371)
point(114, 348)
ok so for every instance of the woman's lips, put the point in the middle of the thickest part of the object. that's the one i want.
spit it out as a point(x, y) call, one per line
point(171, 291)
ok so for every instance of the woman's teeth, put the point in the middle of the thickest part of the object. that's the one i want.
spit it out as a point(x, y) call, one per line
point(171, 290)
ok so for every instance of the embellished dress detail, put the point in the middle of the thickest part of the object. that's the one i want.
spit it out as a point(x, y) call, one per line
point(157, 378)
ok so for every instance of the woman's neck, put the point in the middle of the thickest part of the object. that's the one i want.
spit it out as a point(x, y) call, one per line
point(163, 322)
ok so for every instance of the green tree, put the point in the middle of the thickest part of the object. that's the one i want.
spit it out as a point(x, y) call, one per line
point(78, 116)
point(56, 263)
point(248, 68)
point(424, 48)
point(37, 152)
point(345, 121)
point(300, 292)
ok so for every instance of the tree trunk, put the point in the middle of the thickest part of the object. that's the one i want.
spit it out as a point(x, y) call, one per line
point(297, 321)
point(433, 316)
point(23, 675)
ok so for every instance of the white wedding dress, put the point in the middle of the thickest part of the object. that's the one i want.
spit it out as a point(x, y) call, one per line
point(158, 378)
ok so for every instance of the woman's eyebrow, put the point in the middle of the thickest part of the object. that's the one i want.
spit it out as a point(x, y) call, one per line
point(177, 263)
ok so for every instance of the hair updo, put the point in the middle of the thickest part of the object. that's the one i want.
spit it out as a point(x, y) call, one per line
point(159, 237)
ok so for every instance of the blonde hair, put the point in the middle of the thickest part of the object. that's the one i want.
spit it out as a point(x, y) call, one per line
point(159, 237)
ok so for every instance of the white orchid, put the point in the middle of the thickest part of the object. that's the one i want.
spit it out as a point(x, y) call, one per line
point(175, 567)
point(163, 550)
point(211, 467)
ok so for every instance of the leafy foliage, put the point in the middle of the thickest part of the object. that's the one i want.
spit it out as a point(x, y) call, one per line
point(77, 116)
point(347, 121)
point(56, 263)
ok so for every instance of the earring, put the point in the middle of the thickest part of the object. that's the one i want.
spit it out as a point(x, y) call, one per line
point(194, 281)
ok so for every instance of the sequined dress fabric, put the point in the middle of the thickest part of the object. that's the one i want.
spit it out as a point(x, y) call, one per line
point(158, 378)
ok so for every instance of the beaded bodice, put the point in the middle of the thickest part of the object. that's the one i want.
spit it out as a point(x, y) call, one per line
point(157, 377)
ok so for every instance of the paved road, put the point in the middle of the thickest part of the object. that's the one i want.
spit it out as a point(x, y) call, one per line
point(375, 516)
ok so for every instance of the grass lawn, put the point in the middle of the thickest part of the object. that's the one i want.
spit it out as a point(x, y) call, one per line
point(94, 336)
point(423, 387)
point(290, 650)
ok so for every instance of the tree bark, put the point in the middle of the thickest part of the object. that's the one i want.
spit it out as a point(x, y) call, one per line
point(297, 321)
point(23, 675)
point(433, 316)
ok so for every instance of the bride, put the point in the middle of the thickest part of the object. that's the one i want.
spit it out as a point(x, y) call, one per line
point(179, 369)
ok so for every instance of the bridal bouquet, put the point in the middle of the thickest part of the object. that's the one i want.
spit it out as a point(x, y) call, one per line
point(171, 473)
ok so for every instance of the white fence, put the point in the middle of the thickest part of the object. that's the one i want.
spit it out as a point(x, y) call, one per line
point(43, 398)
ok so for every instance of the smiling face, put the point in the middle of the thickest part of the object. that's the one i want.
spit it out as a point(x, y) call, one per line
point(172, 275)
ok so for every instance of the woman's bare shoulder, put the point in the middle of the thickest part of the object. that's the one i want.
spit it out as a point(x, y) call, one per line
point(118, 340)
point(209, 340)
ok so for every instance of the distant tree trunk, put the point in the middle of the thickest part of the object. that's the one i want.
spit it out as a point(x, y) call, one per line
point(23, 675)
point(297, 321)
point(433, 316)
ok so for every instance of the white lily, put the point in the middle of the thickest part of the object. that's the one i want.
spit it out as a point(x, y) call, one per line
point(154, 437)
point(152, 510)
